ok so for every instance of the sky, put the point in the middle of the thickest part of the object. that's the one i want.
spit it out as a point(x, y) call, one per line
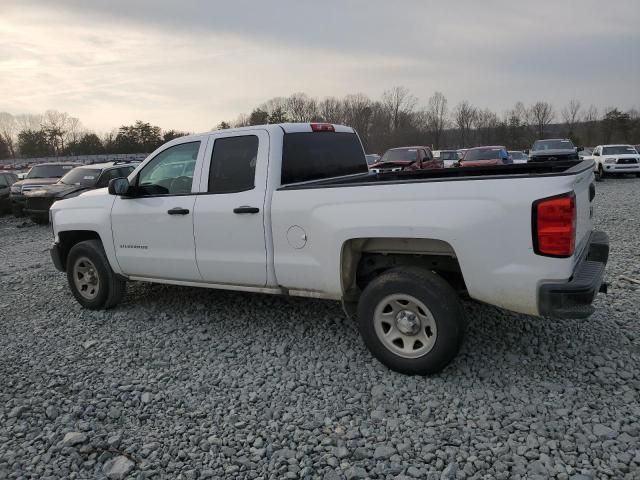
point(190, 64)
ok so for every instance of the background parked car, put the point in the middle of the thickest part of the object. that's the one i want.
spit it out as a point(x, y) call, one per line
point(449, 157)
point(553, 149)
point(78, 180)
point(485, 156)
point(615, 160)
point(406, 158)
point(518, 156)
point(6, 180)
point(39, 175)
point(372, 158)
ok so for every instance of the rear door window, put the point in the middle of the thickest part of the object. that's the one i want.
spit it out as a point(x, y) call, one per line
point(317, 155)
point(233, 164)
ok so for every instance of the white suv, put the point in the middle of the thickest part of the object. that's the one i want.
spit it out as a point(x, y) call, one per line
point(615, 159)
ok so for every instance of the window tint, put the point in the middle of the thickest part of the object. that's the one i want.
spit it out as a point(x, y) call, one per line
point(3, 181)
point(108, 175)
point(170, 172)
point(233, 164)
point(318, 155)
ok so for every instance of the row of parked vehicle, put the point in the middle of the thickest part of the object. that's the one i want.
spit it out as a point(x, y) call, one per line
point(48, 182)
point(45, 183)
point(608, 159)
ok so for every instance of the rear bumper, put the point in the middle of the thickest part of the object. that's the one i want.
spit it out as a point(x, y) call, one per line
point(573, 298)
point(56, 257)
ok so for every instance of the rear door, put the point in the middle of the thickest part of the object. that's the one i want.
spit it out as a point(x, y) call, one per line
point(153, 231)
point(229, 221)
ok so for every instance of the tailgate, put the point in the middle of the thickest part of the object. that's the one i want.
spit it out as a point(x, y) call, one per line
point(585, 190)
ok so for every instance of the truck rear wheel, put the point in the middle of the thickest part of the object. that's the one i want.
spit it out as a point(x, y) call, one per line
point(411, 320)
point(90, 277)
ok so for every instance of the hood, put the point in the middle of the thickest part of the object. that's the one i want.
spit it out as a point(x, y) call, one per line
point(55, 190)
point(556, 151)
point(37, 181)
point(393, 163)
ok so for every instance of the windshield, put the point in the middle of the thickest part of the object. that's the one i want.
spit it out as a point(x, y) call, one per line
point(49, 171)
point(553, 145)
point(404, 155)
point(81, 176)
point(619, 150)
point(483, 154)
point(449, 156)
point(519, 155)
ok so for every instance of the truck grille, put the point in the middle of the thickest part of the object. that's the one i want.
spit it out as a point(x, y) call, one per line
point(627, 161)
point(39, 203)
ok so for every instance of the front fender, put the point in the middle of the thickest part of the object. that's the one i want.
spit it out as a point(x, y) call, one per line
point(88, 212)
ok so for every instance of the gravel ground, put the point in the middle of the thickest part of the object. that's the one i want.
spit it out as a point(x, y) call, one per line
point(193, 383)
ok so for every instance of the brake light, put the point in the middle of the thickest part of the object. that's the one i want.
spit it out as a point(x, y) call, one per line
point(554, 225)
point(322, 127)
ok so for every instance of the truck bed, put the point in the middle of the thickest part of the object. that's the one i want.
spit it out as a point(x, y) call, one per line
point(523, 170)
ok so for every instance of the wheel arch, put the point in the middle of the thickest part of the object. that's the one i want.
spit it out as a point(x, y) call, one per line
point(67, 239)
point(363, 259)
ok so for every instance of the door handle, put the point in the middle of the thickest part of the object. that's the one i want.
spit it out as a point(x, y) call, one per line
point(178, 211)
point(245, 209)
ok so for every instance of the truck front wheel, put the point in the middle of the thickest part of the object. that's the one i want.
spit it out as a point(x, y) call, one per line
point(411, 320)
point(90, 277)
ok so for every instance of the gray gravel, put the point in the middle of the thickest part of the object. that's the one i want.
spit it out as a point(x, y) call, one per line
point(190, 383)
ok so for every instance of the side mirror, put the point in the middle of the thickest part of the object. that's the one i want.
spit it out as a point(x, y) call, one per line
point(579, 149)
point(119, 186)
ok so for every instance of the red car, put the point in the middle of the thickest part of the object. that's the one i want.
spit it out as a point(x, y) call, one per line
point(406, 158)
point(486, 156)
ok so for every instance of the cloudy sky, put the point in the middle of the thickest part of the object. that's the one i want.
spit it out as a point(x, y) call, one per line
point(190, 64)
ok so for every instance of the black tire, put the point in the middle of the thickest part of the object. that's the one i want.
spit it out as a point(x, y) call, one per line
point(600, 174)
point(17, 212)
point(637, 175)
point(110, 287)
point(443, 306)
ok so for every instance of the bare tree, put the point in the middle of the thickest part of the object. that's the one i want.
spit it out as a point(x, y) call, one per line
point(28, 121)
point(541, 114)
point(437, 116)
point(300, 108)
point(397, 101)
point(74, 130)
point(330, 110)
point(464, 116)
point(8, 131)
point(55, 124)
point(589, 120)
point(357, 113)
point(570, 114)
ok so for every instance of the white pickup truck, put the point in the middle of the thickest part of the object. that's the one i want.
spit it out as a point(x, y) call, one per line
point(291, 209)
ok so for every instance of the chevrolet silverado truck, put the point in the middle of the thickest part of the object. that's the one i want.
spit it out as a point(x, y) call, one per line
point(291, 209)
point(553, 149)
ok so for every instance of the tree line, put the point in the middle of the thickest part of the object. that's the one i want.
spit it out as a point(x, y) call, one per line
point(57, 133)
point(396, 119)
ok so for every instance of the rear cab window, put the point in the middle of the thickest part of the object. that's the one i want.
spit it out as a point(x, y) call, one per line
point(310, 156)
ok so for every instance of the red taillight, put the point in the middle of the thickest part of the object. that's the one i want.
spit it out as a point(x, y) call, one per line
point(322, 127)
point(554, 225)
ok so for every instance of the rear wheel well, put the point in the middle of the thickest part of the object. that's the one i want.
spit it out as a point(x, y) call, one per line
point(365, 259)
point(69, 238)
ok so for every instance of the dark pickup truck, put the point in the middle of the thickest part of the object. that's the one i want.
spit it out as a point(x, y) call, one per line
point(553, 149)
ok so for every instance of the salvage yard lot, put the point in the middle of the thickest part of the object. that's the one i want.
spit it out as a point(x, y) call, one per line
point(195, 383)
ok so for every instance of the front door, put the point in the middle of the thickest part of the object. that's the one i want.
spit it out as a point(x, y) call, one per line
point(229, 212)
point(153, 230)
